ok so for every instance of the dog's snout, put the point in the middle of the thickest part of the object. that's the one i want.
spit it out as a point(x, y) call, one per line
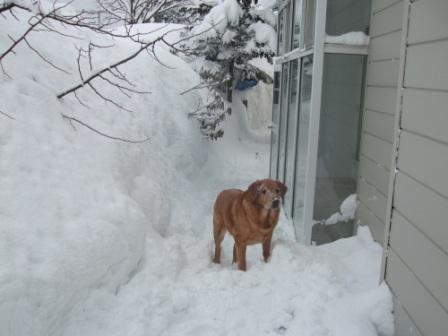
point(275, 203)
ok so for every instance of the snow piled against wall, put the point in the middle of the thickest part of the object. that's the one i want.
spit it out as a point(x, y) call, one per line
point(66, 231)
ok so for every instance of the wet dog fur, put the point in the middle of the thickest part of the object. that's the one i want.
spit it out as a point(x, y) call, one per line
point(249, 216)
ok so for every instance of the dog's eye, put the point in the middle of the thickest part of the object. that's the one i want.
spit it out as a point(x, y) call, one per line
point(277, 190)
point(264, 191)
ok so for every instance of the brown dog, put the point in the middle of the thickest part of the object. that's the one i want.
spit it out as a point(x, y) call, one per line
point(250, 217)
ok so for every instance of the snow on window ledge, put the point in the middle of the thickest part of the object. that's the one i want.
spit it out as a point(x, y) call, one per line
point(351, 38)
point(347, 212)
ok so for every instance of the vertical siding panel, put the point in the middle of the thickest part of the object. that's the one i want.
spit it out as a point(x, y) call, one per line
point(417, 263)
point(367, 217)
point(387, 20)
point(385, 46)
point(376, 149)
point(418, 117)
point(426, 66)
point(404, 237)
point(381, 99)
point(378, 5)
point(375, 174)
point(374, 200)
point(404, 326)
point(379, 124)
point(383, 73)
point(427, 314)
point(426, 209)
point(425, 160)
point(428, 21)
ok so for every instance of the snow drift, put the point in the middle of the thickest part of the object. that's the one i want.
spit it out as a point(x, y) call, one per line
point(77, 209)
point(103, 237)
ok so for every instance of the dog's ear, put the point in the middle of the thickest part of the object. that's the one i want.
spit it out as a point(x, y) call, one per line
point(282, 187)
point(254, 189)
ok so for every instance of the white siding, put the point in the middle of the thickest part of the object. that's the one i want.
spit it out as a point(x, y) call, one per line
point(379, 110)
point(416, 266)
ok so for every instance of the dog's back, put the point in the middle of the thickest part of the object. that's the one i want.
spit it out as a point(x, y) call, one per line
point(224, 201)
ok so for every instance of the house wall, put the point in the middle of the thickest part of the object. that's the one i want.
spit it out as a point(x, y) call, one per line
point(416, 258)
point(378, 115)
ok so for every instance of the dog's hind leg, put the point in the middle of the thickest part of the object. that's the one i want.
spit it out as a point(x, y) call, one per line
point(219, 231)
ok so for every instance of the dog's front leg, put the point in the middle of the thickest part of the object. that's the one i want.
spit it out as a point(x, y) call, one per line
point(241, 256)
point(235, 259)
point(267, 248)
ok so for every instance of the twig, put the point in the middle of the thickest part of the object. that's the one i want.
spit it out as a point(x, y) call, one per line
point(106, 69)
point(21, 38)
point(44, 59)
point(108, 99)
point(202, 86)
point(80, 101)
point(73, 119)
point(7, 115)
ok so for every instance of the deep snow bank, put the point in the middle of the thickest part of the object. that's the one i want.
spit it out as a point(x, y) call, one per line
point(77, 210)
point(100, 237)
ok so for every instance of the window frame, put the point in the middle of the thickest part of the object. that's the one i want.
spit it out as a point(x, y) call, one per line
point(318, 49)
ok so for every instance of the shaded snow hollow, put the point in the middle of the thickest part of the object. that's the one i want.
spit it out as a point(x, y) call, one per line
point(100, 237)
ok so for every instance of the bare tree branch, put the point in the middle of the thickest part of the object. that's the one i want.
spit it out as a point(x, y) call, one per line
point(21, 38)
point(7, 115)
point(73, 119)
point(43, 58)
point(10, 6)
point(109, 68)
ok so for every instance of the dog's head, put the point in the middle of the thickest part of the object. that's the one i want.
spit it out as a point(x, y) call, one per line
point(267, 193)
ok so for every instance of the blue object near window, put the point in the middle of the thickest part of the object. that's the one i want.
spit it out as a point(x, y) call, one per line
point(244, 85)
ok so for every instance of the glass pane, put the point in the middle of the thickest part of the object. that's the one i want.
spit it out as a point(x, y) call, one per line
point(339, 133)
point(310, 16)
point(291, 135)
point(302, 144)
point(281, 27)
point(274, 128)
point(296, 26)
point(287, 27)
point(346, 16)
point(283, 122)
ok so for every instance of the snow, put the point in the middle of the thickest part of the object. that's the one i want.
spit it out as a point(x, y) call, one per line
point(219, 18)
point(264, 34)
point(347, 212)
point(42, 6)
point(266, 4)
point(351, 38)
point(101, 237)
point(258, 111)
point(228, 36)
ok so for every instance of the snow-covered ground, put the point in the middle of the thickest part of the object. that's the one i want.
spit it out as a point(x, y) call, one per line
point(102, 237)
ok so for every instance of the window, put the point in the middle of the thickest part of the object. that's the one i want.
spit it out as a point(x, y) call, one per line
point(297, 21)
point(284, 28)
point(302, 144)
point(309, 19)
point(291, 131)
point(281, 37)
point(337, 157)
point(284, 108)
point(347, 16)
point(317, 112)
point(274, 127)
